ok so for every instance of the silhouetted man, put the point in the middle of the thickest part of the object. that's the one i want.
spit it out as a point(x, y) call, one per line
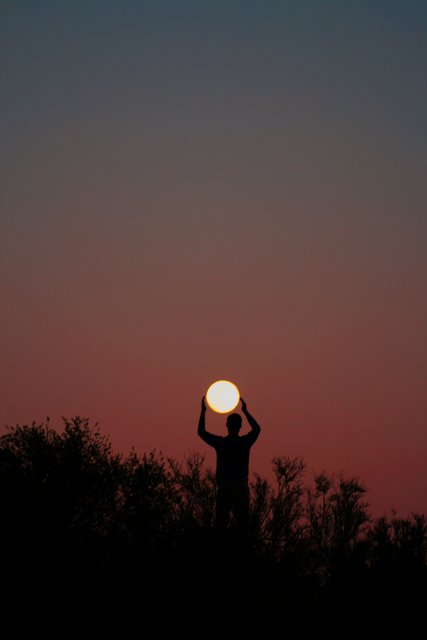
point(232, 467)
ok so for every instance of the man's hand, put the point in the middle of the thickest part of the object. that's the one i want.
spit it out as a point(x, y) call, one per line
point(204, 405)
point(244, 407)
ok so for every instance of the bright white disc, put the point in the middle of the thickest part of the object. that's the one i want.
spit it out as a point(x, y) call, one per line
point(222, 396)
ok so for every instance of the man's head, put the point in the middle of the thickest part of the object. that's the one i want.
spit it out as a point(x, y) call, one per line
point(234, 423)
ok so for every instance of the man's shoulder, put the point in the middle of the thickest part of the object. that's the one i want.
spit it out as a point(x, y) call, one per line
point(250, 437)
point(211, 438)
point(215, 438)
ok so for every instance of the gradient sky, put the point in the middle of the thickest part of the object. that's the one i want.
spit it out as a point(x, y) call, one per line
point(203, 190)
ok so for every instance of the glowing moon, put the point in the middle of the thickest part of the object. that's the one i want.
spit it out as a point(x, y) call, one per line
point(222, 396)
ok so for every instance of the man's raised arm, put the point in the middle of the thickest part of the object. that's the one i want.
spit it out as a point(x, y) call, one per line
point(201, 429)
point(252, 422)
point(209, 438)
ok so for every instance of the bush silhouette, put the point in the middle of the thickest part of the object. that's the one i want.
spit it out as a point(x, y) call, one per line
point(70, 507)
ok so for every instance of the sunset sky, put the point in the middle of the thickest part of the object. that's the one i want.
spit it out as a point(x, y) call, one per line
point(221, 189)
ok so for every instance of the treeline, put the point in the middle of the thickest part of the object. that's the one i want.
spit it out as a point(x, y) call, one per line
point(74, 511)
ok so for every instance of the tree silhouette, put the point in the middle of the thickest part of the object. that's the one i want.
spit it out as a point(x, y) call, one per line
point(336, 516)
point(73, 511)
point(196, 490)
